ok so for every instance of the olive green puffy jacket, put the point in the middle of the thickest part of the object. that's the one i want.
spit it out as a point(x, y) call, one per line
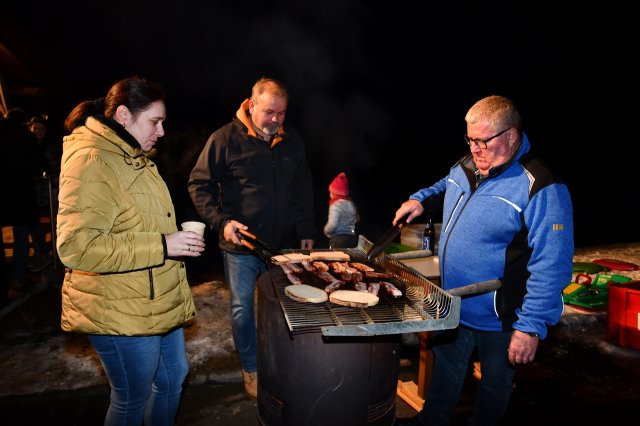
point(114, 208)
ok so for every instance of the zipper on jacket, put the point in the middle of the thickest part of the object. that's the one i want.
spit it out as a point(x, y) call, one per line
point(151, 294)
point(449, 226)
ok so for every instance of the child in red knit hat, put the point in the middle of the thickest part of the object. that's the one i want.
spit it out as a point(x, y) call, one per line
point(343, 215)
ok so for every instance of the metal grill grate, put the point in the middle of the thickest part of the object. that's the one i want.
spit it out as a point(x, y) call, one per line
point(423, 306)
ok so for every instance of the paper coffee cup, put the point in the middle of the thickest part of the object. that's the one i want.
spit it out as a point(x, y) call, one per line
point(197, 227)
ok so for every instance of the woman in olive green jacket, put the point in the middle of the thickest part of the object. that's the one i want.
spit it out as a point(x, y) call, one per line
point(125, 284)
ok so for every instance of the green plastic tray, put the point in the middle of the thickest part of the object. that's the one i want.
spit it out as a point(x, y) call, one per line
point(397, 248)
point(601, 281)
point(588, 268)
point(591, 299)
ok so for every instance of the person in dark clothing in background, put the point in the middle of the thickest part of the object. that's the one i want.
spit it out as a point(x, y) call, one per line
point(50, 143)
point(19, 148)
point(46, 185)
point(51, 148)
point(253, 175)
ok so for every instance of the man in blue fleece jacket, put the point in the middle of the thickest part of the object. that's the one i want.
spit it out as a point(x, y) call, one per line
point(505, 217)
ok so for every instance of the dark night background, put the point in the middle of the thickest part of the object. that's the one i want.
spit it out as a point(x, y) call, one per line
point(378, 89)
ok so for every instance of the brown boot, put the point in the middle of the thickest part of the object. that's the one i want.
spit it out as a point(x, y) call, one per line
point(250, 383)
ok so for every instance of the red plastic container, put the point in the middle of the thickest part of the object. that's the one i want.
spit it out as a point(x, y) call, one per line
point(623, 325)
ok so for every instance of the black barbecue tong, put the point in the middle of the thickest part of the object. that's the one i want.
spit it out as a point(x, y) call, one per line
point(387, 238)
point(253, 243)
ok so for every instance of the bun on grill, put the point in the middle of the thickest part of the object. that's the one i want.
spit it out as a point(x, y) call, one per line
point(290, 258)
point(353, 298)
point(336, 256)
point(305, 293)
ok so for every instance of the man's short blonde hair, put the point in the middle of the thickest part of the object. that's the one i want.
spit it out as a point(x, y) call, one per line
point(270, 86)
point(497, 110)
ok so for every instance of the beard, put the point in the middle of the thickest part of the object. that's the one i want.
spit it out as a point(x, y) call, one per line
point(271, 129)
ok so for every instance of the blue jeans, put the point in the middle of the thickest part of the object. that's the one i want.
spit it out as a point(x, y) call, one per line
point(452, 352)
point(241, 272)
point(145, 374)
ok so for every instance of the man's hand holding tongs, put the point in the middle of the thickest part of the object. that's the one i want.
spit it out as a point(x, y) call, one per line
point(231, 229)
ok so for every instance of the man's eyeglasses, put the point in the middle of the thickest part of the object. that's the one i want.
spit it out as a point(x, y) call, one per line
point(482, 143)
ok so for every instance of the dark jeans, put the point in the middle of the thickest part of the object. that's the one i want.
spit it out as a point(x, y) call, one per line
point(241, 272)
point(452, 351)
point(145, 374)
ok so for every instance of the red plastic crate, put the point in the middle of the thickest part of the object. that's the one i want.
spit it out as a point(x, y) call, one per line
point(623, 325)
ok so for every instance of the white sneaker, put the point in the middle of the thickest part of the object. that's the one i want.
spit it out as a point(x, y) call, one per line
point(250, 380)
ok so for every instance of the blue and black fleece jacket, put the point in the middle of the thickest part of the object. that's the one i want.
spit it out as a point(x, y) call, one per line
point(516, 225)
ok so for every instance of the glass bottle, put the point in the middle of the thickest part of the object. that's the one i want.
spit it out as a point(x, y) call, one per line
point(429, 236)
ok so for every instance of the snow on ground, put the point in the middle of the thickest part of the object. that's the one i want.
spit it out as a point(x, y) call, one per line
point(35, 361)
point(626, 252)
point(53, 360)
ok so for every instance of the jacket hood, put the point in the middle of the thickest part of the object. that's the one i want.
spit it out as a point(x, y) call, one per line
point(243, 115)
point(108, 139)
point(119, 129)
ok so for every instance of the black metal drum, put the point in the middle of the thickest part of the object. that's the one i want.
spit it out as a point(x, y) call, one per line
point(312, 380)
